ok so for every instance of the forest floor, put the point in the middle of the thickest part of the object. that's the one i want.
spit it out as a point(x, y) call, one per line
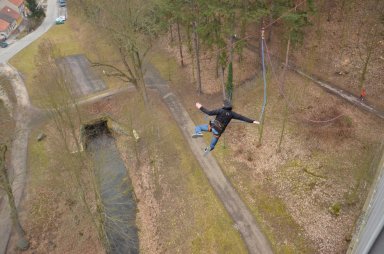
point(309, 194)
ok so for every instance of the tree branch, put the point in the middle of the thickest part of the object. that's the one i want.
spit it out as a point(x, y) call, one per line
point(118, 71)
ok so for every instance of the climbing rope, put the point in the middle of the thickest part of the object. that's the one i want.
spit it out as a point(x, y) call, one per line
point(261, 118)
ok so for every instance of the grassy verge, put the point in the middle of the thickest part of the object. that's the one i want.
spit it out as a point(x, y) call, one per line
point(55, 219)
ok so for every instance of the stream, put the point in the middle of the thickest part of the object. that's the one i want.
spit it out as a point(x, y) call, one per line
point(116, 190)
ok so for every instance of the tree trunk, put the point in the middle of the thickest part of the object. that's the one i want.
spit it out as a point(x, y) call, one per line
point(217, 72)
point(365, 67)
point(22, 243)
point(197, 53)
point(180, 44)
point(229, 86)
point(140, 77)
point(283, 129)
point(223, 81)
point(282, 77)
point(190, 51)
point(170, 30)
point(271, 27)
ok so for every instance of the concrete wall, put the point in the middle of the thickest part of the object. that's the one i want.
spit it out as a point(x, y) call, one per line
point(369, 234)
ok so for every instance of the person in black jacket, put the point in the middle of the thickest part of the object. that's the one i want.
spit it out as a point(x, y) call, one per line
point(223, 116)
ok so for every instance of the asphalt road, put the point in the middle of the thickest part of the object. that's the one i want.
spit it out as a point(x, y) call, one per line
point(84, 80)
point(15, 47)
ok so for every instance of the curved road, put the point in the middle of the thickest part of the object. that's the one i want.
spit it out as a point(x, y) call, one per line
point(14, 48)
point(22, 116)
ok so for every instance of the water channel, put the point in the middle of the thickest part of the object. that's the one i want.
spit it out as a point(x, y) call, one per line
point(115, 188)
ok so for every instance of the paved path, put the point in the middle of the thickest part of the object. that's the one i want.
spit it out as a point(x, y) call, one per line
point(84, 81)
point(326, 86)
point(242, 217)
point(341, 93)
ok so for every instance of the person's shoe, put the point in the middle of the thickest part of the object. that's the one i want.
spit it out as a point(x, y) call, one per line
point(207, 150)
point(197, 135)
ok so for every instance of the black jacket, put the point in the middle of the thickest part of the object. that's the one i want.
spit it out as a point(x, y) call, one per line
point(223, 117)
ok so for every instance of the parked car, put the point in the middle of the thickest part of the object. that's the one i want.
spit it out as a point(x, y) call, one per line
point(59, 21)
point(3, 44)
point(62, 3)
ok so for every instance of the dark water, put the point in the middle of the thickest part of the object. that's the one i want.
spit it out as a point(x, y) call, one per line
point(116, 194)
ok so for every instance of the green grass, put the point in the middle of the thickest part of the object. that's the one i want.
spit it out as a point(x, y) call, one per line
point(62, 36)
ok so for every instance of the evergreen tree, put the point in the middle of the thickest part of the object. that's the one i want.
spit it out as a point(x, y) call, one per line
point(36, 10)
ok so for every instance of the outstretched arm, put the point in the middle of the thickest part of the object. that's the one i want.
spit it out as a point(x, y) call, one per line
point(243, 118)
point(206, 111)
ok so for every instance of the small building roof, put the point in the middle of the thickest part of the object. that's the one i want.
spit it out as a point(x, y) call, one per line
point(6, 18)
point(9, 12)
point(3, 25)
point(17, 2)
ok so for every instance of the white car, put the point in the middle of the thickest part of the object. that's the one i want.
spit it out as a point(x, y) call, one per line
point(59, 20)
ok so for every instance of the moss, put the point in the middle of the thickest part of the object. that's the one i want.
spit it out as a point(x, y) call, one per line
point(335, 209)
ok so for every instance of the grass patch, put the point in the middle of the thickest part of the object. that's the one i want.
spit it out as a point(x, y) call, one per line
point(193, 220)
point(56, 220)
point(74, 37)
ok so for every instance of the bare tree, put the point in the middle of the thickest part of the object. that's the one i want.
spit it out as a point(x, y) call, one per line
point(5, 185)
point(129, 26)
point(60, 102)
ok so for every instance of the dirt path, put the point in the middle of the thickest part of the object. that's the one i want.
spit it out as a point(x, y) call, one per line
point(242, 217)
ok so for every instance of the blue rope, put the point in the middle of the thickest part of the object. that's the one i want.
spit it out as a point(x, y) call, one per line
point(264, 78)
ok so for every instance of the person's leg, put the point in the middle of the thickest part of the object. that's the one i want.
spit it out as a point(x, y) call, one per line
point(213, 142)
point(199, 129)
point(215, 138)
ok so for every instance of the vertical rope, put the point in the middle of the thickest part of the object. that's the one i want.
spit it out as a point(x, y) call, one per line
point(261, 118)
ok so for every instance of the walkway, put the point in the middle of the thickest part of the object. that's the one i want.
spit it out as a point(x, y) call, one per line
point(340, 92)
